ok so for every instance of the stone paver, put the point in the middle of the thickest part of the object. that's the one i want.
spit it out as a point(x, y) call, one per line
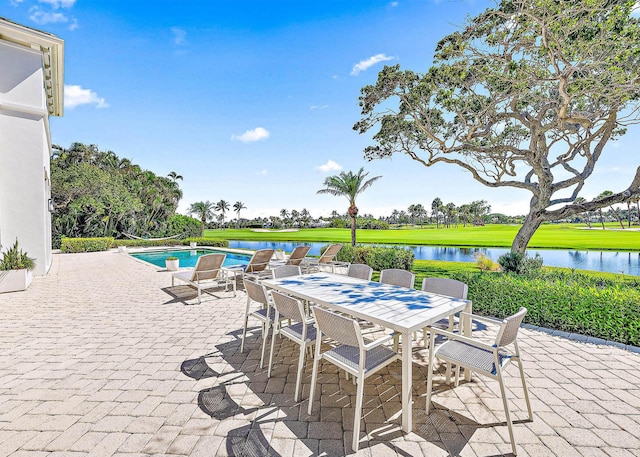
point(103, 357)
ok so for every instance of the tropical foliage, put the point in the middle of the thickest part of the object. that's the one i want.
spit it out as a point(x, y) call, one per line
point(15, 259)
point(98, 194)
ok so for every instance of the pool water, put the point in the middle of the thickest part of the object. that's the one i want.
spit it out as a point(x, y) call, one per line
point(189, 257)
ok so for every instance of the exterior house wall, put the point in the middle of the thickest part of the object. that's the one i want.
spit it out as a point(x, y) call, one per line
point(25, 150)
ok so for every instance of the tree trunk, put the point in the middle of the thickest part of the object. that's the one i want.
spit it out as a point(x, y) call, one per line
point(529, 227)
point(353, 231)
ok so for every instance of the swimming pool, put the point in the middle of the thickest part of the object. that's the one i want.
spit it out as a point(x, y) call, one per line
point(189, 257)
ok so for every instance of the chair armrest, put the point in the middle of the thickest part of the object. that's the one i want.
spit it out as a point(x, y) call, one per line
point(489, 320)
point(464, 339)
point(379, 341)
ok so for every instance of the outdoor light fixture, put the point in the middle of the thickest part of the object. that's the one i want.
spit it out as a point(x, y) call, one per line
point(51, 207)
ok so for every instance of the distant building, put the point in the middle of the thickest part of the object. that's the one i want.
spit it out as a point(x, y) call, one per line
point(31, 90)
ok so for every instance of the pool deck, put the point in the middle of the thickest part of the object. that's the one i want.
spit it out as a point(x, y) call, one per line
point(102, 357)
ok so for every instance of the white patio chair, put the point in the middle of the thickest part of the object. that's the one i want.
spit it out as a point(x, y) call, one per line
point(286, 270)
point(483, 358)
point(351, 354)
point(398, 277)
point(256, 293)
point(360, 271)
point(450, 288)
point(300, 330)
point(206, 274)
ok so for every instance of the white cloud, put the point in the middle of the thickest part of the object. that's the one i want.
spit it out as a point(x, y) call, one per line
point(329, 166)
point(75, 96)
point(635, 12)
point(179, 36)
point(262, 173)
point(74, 24)
point(365, 64)
point(55, 4)
point(250, 136)
point(393, 4)
point(319, 107)
point(43, 17)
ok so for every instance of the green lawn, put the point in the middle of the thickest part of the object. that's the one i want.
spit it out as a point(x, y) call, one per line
point(561, 236)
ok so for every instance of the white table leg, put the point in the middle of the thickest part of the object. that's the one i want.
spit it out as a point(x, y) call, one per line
point(407, 361)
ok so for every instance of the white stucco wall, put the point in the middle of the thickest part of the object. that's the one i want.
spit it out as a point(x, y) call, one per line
point(24, 154)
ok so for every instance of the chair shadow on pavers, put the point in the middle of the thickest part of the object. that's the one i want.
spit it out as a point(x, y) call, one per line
point(326, 431)
point(187, 295)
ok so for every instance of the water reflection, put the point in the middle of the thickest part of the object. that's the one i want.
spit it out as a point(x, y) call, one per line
point(609, 261)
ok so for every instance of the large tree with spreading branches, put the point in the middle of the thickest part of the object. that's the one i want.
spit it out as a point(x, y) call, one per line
point(527, 95)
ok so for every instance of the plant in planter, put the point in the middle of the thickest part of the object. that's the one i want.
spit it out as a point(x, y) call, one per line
point(15, 269)
point(280, 254)
point(172, 263)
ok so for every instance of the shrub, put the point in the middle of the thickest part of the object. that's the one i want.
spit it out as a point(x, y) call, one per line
point(514, 262)
point(171, 257)
point(86, 244)
point(173, 242)
point(566, 301)
point(378, 258)
point(179, 224)
point(486, 264)
point(14, 259)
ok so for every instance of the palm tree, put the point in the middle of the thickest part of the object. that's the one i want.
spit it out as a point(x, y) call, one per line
point(175, 176)
point(237, 207)
point(223, 207)
point(349, 185)
point(204, 210)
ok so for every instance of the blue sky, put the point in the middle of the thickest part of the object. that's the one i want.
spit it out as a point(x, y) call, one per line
point(254, 101)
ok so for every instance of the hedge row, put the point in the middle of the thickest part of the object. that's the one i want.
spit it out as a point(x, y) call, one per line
point(102, 244)
point(569, 302)
point(378, 258)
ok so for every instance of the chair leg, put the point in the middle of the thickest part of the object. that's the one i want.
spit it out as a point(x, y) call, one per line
point(430, 372)
point(358, 413)
point(524, 386)
point(265, 335)
point(314, 378)
point(273, 343)
point(506, 410)
point(300, 366)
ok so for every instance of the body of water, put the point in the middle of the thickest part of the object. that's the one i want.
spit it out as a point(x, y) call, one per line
point(189, 257)
point(608, 261)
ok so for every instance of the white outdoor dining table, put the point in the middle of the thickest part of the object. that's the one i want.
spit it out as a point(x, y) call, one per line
point(397, 308)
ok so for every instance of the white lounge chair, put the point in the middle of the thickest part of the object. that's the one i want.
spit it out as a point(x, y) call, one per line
point(206, 274)
point(325, 261)
point(258, 266)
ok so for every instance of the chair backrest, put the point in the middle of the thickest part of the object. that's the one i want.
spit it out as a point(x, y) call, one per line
point(287, 306)
point(339, 328)
point(286, 270)
point(508, 332)
point(259, 261)
point(256, 292)
point(208, 267)
point(398, 277)
point(360, 271)
point(299, 253)
point(445, 286)
point(329, 253)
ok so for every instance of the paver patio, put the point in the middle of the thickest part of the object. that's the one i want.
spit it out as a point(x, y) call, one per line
point(103, 357)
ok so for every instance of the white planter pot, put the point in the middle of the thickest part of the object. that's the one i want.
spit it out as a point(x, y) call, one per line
point(280, 255)
point(172, 265)
point(122, 249)
point(15, 280)
point(193, 244)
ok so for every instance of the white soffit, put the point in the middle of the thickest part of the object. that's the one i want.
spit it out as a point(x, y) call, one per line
point(52, 49)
